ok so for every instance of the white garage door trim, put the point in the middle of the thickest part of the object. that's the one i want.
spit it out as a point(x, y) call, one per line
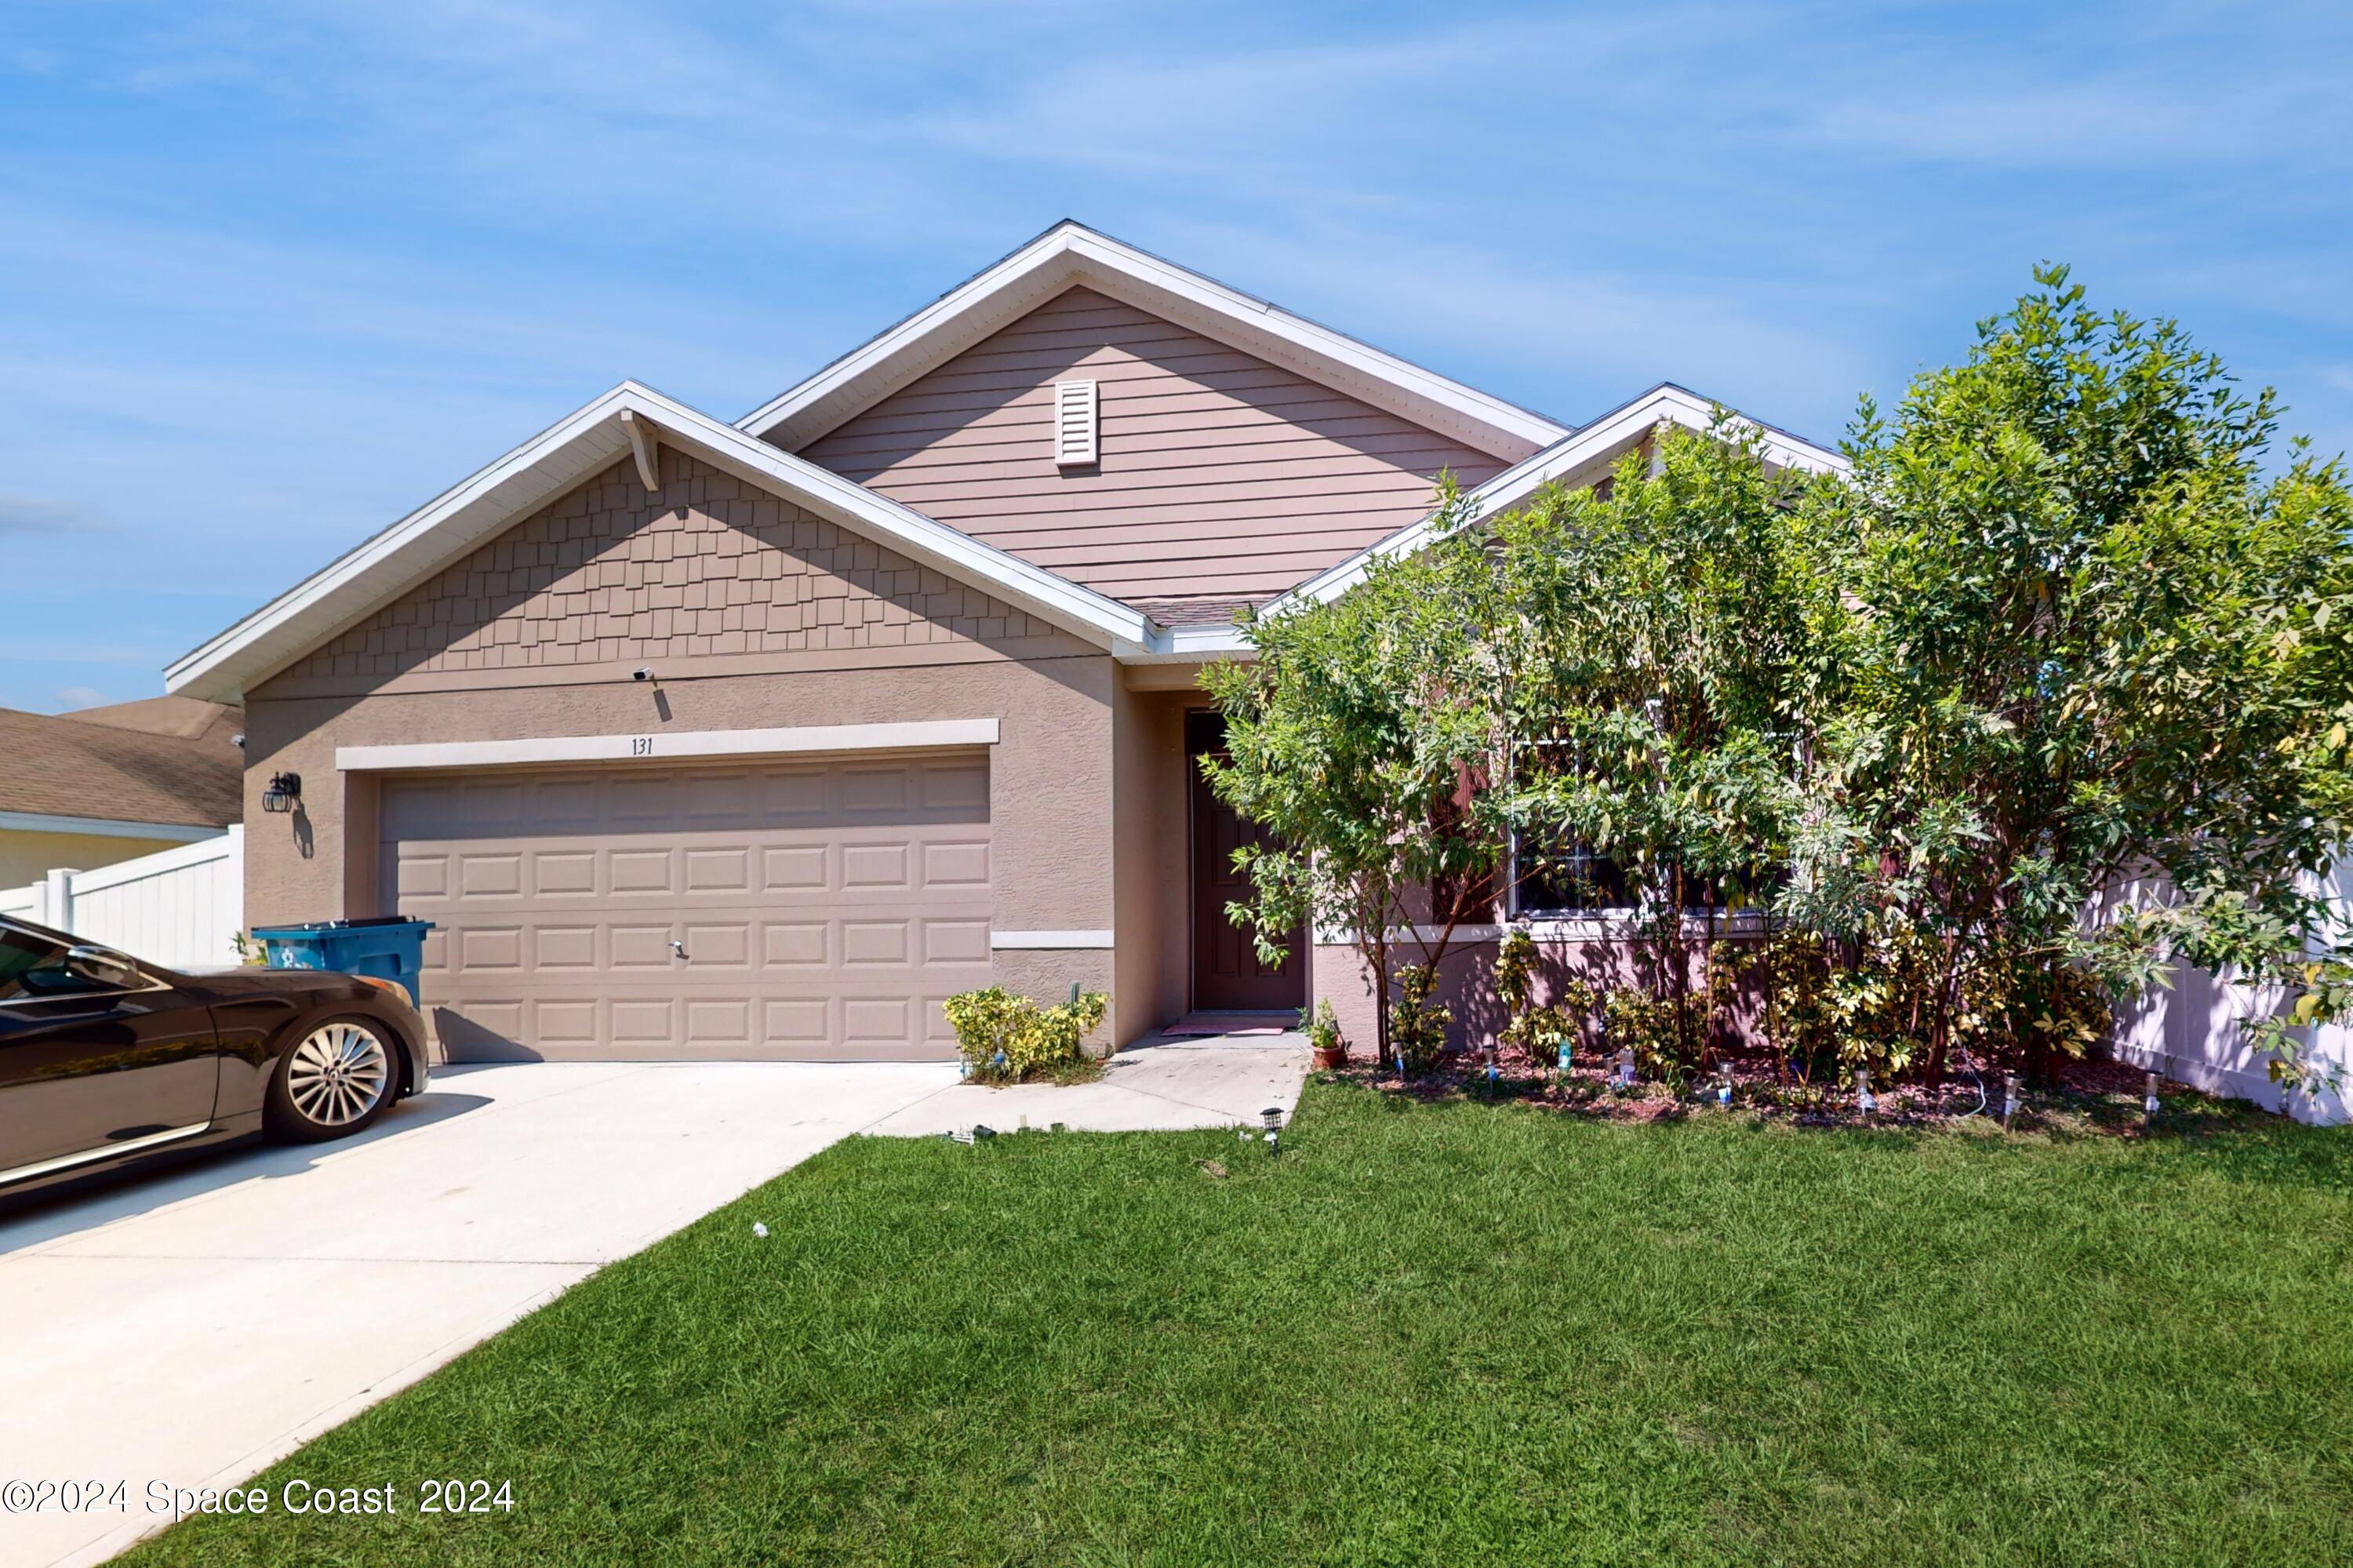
point(673, 746)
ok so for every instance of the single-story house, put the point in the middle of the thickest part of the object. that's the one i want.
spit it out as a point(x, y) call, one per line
point(758, 738)
point(103, 785)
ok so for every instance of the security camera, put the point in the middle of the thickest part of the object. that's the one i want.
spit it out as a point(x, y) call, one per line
point(642, 674)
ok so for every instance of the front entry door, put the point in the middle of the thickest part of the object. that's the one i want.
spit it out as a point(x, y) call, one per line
point(1228, 975)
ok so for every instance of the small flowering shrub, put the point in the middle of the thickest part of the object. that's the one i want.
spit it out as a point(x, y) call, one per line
point(1006, 1039)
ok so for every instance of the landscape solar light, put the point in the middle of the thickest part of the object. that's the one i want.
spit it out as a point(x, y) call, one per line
point(2148, 1104)
point(1624, 1073)
point(1568, 1053)
point(1865, 1100)
point(1724, 1089)
point(1272, 1118)
point(2008, 1097)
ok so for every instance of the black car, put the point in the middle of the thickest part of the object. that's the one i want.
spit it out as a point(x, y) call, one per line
point(105, 1060)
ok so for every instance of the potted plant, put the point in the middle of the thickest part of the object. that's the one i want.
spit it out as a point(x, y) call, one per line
point(1323, 1040)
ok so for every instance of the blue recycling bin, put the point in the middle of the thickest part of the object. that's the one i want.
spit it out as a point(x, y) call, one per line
point(387, 947)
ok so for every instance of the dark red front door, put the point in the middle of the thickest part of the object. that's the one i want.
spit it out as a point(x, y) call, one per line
point(1228, 976)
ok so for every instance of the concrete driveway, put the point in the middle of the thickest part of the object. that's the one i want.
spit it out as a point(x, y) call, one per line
point(192, 1327)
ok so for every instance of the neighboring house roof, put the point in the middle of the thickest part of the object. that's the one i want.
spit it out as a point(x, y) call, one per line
point(760, 448)
point(1070, 254)
point(168, 762)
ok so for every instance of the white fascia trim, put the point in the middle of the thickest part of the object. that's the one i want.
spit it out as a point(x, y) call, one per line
point(404, 554)
point(1068, 253)
point(353, 568)
point(1194, 645)
point(1058, 940)
point(659, 746)
point(1666, 404)
point(103, 827)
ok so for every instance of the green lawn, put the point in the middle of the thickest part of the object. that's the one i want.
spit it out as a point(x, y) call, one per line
point(1446, 1333)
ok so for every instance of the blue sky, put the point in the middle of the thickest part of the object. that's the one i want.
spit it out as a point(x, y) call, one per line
point(272, 275)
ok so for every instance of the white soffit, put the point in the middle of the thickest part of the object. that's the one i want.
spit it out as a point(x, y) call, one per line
point(1604, 440)
point(1072, 254)
point(565, 455)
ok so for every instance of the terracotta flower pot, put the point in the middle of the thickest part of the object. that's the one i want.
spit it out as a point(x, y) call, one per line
point(1331, 1055)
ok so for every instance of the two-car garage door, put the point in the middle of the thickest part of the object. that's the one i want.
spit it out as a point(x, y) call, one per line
point(777, 910)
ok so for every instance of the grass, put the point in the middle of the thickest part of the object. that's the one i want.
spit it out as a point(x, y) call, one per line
point(1445, 1333)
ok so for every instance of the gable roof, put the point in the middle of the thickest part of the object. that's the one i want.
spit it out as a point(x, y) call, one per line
point(1593, 446)
point(580, 444)
point(93, 767)
point(1070, 254)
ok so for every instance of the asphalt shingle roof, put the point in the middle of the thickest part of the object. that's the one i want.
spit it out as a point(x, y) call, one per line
point(170, 761)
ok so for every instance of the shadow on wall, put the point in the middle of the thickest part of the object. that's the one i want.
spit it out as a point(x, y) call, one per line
point(1467, 986)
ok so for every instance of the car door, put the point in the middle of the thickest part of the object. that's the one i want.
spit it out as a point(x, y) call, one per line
point(90, 1065)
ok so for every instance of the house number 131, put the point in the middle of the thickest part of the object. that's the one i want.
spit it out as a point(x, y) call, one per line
point(641, 745)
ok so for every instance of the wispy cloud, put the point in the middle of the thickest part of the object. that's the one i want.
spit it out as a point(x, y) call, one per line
point(69, 699)
point(30, 515)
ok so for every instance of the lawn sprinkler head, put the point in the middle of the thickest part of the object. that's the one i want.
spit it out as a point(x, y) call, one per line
point(1865, 1100)
point(1272, 1118)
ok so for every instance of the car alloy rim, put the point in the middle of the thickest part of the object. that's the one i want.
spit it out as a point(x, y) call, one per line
point(337, 1074)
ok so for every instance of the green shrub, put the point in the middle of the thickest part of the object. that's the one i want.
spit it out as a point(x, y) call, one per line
point(1417, 1025)
point(1006, 1039)
point(1533, 1032)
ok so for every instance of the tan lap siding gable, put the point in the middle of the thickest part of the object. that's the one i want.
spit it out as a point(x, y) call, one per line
point(1220, 479)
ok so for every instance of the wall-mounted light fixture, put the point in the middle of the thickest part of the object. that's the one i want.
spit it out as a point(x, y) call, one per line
point(284, 792)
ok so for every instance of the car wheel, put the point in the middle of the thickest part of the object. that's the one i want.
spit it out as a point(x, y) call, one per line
point(334, 1080)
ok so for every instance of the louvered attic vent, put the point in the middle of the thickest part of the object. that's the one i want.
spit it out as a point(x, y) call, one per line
point(1074, 423)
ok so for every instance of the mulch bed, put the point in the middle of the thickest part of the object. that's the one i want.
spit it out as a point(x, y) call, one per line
point(2095, 1097)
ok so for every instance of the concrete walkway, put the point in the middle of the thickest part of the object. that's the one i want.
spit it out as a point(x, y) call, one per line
point(191, 1326)
point(1159, 1085)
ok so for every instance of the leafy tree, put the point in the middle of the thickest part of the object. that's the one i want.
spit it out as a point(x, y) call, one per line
point(1354, 738)
point(2093, 643)
point(1663, 645)
point(2066, 628)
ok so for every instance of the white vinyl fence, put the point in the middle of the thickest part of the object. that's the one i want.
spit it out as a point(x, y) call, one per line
point(178, 909)
point(2195, 1031)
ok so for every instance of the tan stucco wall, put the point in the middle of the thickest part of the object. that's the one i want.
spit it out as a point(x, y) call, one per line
point(724, 594)
point(28, 857)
